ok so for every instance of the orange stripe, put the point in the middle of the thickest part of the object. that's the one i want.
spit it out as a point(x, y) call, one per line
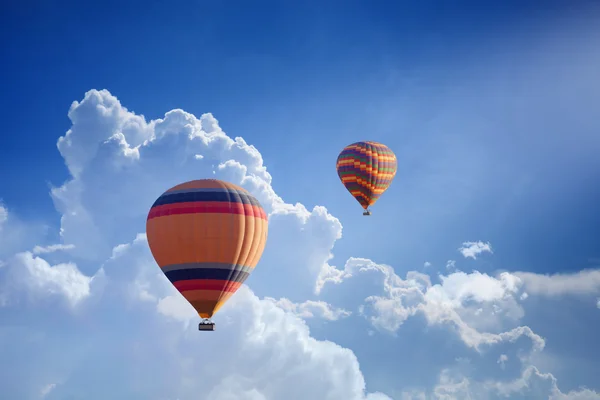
point(202, 295)
point(207, 238)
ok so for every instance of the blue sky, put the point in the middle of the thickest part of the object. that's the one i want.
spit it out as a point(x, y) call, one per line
point(489, 107)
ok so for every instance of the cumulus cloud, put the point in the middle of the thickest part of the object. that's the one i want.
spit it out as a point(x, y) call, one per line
point(473, 249)
point(459, 288)
point(175, 306)
point(125, 318)
point(262, 350)
point(40, 279)
point(586, 282)
point(534, 384)
point(531, 384)
point(454, 302)
point(119, 164)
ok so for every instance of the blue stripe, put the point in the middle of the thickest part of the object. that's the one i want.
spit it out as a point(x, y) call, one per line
point(206, 273)
point(206, 265)
point(228, 196)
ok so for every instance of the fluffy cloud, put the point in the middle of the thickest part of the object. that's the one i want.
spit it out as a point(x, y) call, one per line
point(261, 350)
point(105, 309)
point(531, 384)
point(473, 249)
point(459, 288)
point(39, 278)
point(119, 164)
point(457, 301)
point(474, 305)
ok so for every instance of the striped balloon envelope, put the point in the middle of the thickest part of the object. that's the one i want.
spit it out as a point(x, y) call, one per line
point(207, 236)
point(366, 169)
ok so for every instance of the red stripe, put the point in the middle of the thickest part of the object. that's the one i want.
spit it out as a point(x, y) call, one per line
point(206, 284)
point(194, 207)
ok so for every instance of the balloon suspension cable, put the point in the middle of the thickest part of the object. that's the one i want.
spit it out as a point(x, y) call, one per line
point(206, 325)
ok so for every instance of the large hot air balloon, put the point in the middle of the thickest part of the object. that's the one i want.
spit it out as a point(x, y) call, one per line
point(367, 170)
point(207, 236)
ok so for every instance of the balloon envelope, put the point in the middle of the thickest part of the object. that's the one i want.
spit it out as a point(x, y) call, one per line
point(366, 170)
point(207, 236)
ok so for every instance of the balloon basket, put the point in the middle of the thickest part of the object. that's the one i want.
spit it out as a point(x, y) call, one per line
point(367, 212)
point(206, 325)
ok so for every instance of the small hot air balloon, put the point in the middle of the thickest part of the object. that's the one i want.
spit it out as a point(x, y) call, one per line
point(207, 236)
point(367, 170)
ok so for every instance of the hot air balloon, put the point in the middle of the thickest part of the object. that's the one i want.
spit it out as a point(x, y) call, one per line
point(207, 236)
point(367, 170)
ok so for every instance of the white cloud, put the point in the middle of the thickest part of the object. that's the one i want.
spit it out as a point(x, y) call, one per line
point(52, 248)
point(436, 313)
point(263, 348)
point(451, 265)
point(311, 309)
point(531, 384)
point(40, 279)
point(426, 264)
point(17, 235)
point(47, 389)
point(473, 249)
point(3, 215)
point(534, 384)
point(455, 302)
point(502, 360)
point(176, 306)
point(586, 282)
point(459, 287)
point(119, 164)
point(449, 388)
